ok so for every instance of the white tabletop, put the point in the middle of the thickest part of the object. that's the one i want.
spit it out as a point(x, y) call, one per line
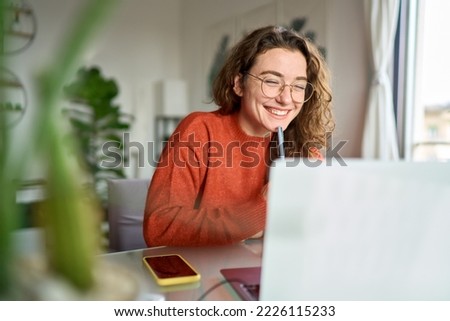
point(208, 261)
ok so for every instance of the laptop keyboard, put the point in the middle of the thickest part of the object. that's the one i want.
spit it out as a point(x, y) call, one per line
point(252, 290)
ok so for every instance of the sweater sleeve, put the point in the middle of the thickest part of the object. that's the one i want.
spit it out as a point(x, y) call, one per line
point(174, 213)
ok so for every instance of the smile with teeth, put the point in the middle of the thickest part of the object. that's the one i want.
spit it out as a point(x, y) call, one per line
point(278, 112)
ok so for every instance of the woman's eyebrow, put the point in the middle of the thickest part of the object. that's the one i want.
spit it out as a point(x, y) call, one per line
point(272, 72)
point(278, 74)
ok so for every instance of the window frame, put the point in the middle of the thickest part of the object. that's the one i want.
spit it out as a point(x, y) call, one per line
point(404, 75)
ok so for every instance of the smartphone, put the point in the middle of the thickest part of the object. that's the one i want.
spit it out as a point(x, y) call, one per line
point(171, 269)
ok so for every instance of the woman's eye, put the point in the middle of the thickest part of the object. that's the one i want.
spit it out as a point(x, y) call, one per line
point(272, 82)
point(299, 87)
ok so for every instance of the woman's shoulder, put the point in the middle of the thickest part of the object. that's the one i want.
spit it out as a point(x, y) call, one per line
point(205, 126)
point(203, 117)
point(198, 128)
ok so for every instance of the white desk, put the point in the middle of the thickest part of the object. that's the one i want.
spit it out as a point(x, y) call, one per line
point(206, 260)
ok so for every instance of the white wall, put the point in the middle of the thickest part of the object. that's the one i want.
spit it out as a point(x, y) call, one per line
point(146, 41)
point(138, 46)
point(350, 66)
point(141, 47)
point(28, 64)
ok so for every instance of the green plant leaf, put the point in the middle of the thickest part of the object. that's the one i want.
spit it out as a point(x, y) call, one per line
point(96, 118)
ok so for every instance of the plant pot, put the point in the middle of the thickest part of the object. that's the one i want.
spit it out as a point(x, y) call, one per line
point(35, 281)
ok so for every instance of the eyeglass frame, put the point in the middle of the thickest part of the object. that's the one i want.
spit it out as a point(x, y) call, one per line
point(282, 88)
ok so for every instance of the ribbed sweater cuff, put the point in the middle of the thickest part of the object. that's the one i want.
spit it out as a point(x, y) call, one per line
point(254, 216)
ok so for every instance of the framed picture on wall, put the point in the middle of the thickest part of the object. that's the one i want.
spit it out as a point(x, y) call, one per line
point(308, 17)
point(218, 41)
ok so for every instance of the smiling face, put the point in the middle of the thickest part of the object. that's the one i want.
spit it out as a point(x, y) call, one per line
point(260, 114)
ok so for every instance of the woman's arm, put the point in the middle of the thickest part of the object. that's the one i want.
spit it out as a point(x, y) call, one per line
point(174, 212)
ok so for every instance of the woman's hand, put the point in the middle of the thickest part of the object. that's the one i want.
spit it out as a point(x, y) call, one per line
point(258, 235)
point(264, 191)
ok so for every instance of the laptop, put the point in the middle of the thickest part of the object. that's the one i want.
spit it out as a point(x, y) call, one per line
point(369, 230)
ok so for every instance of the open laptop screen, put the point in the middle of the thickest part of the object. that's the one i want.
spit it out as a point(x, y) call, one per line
point(371, 230)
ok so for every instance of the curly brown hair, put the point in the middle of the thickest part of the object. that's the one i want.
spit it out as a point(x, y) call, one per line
point(314, 124)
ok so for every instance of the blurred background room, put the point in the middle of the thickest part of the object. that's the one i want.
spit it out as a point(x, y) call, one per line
point(154, 61)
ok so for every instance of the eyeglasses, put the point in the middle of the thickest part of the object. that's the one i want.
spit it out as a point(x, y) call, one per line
point(272, 86)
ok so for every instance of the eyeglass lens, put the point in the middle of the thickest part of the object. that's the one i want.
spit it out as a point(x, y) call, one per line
point(301, 91)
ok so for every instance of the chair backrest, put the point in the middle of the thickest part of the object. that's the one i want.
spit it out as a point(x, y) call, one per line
point(126, 205)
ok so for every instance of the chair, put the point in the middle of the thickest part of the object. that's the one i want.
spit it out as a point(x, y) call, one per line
point(126, 205)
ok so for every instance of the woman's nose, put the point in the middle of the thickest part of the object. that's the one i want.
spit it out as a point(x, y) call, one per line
point(285, 94)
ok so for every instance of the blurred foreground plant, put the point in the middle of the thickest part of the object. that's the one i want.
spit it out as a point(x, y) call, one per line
point(69, 213)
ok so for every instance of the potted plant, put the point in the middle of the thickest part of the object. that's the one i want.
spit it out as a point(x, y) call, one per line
point(70, 213)
point(96, 120)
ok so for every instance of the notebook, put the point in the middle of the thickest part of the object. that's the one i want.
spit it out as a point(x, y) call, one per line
point(369, 230)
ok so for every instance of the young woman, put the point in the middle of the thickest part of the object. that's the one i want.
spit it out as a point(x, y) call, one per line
point(210, 185)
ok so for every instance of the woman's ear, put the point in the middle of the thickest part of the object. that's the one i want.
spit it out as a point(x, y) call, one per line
point(237, 87)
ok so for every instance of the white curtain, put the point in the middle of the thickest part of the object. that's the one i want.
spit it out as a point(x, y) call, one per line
point(380, 135)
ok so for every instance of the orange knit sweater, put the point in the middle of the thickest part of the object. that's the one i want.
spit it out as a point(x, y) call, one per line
point(207, 187)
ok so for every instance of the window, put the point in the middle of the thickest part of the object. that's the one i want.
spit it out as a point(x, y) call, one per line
point(423, 79)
